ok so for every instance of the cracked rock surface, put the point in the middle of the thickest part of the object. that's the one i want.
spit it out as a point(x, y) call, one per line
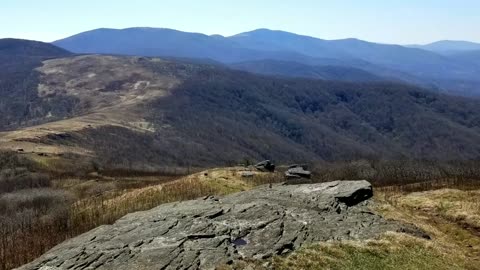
point(204, 233)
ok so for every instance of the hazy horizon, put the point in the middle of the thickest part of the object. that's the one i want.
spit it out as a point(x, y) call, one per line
point(396, 22)
point(246, 31)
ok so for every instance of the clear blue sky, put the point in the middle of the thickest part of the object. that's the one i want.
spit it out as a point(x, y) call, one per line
point(387, 21)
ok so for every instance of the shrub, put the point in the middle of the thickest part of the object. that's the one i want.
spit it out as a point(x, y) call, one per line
point(20, 178)
point(42, 201)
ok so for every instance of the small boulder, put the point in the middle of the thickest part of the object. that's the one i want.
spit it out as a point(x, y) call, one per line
point(297, 172)
point(355, 193)
point(265, 166)
point(247, 174)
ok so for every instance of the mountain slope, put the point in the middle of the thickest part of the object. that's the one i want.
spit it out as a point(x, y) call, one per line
point(293, 69)
point(326, 120)
point(19, 80)
point(272, 40)
point(448, 47)
point(414, 61)
point(143, 113)
point(468, 56)
point(19, 47)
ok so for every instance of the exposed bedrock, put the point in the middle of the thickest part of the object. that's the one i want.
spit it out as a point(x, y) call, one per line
point(203, 233)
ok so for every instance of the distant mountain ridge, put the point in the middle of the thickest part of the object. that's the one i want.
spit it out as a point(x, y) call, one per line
point(395, 62)
point(449, 47)
point(403, 59)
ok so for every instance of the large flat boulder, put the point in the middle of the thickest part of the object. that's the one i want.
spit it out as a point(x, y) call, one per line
point(203, 233)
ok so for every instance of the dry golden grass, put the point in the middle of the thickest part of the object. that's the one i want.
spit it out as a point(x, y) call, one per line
point(392, 251)
point(108, 207)
point(449, 216)
point(210, 182)
point(456, 205)
point(103, 81)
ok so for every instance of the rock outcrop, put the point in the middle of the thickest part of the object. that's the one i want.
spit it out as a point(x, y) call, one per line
point(298, 172)
point(265, 166)
point(203, 233)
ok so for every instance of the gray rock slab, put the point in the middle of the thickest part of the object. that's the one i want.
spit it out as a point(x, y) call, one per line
point(203, 233)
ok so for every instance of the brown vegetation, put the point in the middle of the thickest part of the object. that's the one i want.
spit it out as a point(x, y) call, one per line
point(449, 216)
point(404, 175)
point(169, 111)
point(40, 208)
point(34, 220)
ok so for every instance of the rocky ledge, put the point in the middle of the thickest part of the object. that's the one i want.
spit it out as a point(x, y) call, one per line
point(204, 233)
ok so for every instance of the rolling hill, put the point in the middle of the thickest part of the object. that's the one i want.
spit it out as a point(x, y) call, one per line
point(448, 47)
point(142, 113)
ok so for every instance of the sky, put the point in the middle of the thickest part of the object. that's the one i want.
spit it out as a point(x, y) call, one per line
point(384, 21)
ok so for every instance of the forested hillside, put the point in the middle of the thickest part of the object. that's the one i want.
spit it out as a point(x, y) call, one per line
point(308, 119)
point(293, 69)
point(19, 103)
point(143, 113)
